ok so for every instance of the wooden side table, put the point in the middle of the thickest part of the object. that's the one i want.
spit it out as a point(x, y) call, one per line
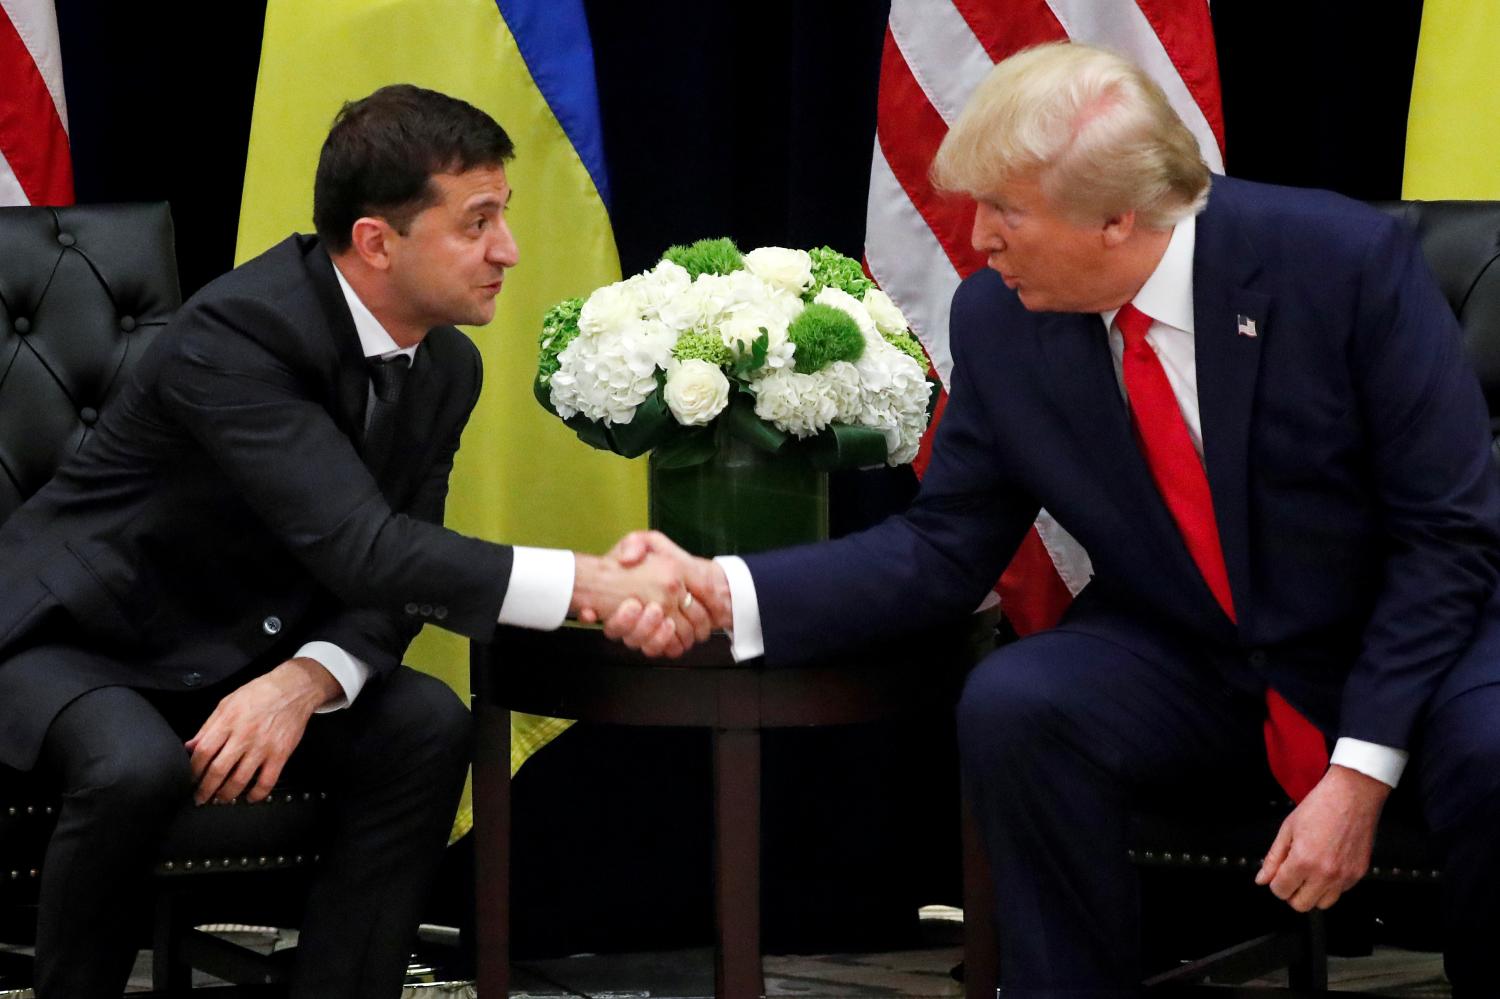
point(577, 673)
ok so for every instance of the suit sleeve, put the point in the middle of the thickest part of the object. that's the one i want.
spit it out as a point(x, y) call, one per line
point(1431, 466)
point(251, 408)
point(915, 570)
point(378, 637)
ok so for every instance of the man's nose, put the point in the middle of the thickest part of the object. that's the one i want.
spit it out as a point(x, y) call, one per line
point(503, 250)
point(984, 235)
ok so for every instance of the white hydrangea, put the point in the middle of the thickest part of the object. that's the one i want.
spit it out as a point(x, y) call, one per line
point(654, 288)
point(844, 387)
point(895, 398)
point(605, 376)
point(779, 267)
point(797, 404)
point(888, 318)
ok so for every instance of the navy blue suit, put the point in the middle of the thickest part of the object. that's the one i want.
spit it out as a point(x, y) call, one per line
point(1358, 507)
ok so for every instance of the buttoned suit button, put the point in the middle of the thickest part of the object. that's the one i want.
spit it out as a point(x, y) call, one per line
point(192, 679)
point(1256, 659)
point(66, 238)
point(440, 612)
point(127, 323)
point(22, 325)
point(411, 608)
point(271, 625)
point(89, 415)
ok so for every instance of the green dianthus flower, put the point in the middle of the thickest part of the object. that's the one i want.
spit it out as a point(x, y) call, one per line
point(707, 256)
point(823, 335)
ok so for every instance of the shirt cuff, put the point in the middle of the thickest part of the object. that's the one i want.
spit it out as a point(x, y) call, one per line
point(351, 672)
point(540, 588)
point(1371, 759)
point(745, 639)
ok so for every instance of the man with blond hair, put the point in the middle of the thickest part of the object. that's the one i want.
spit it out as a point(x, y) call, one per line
point(1250, 405)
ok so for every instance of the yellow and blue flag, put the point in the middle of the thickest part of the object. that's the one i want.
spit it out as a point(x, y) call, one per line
point(520, 477)
point(1453, 127)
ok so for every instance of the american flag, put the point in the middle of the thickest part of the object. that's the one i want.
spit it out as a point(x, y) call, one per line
point(917, 243)
point(35, 166)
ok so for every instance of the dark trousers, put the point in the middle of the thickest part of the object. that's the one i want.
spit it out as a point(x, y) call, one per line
point(394, 763)
point(1061, 733)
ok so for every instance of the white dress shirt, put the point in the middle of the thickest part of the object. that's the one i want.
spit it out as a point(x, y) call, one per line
point(1167, 297)
point(541, 579)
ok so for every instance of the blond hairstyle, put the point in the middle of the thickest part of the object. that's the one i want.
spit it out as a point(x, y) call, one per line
point(1091, 128)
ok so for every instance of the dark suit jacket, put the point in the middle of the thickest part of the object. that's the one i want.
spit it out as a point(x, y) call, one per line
point(1347, 452)
point(221, 514)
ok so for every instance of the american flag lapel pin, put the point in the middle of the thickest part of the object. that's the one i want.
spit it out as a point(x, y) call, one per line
point(1246, 326)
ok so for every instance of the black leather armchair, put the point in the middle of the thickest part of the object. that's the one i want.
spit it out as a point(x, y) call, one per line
point(83, 291)
point(1461, 241)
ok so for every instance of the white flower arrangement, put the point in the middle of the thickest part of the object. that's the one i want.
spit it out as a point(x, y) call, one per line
point(776, 345)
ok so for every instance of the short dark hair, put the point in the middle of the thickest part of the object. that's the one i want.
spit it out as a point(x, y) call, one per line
point(382, 150)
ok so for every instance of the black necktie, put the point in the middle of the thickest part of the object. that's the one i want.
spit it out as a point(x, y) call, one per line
point(387, 375)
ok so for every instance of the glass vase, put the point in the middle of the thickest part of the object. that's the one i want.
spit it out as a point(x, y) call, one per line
point(741, 500)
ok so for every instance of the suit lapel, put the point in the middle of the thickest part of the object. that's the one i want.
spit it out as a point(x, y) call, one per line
point(1232, 323)
point(352, 382)
point(1078, 363)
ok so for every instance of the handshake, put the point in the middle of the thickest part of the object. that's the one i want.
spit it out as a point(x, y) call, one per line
point(651, 595)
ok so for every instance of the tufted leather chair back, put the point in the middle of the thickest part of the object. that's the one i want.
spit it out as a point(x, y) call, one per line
point(1461, 241)
point(83, 290)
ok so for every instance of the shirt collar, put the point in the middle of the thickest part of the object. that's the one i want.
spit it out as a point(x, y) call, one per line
point(374, 341)
point(1167, 295)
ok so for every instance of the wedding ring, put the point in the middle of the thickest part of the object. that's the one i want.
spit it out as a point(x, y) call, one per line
point(687, 601)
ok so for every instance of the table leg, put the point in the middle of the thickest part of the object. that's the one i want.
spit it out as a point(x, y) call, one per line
point(737, 967)
point(981, 944)
point(492, 849)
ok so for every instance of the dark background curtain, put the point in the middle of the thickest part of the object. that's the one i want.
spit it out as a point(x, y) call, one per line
point(754, 121)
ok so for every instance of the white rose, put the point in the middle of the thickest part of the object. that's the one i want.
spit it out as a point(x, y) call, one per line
point(789, 270)
point(888, 318)
point(740, 329)
point(696, 391)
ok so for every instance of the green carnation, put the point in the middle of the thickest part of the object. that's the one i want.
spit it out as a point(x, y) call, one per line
point(695, 345)
point(909, 346)
point(823, 335)
point(559, 327)
point(831, 269)
point(707, 256)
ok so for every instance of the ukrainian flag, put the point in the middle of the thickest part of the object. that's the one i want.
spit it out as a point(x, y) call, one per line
point(1453, 127)
point(521, 476)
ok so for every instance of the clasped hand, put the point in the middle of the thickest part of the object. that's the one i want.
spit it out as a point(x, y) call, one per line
point(652, 595)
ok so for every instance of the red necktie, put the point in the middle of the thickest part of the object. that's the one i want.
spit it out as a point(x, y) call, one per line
point(1294, 746)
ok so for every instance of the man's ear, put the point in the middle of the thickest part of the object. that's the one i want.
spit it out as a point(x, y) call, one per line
point(371, 239)
point(1117, 228)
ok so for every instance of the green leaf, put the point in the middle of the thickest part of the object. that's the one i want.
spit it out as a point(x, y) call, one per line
point(842, 446)
point(746, 364)
point(739, 421)
point(543, 392)
point(692, 448)
point(652, 425)
point(591, 432)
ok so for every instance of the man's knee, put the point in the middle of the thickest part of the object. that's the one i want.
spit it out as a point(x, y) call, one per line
point(141, 781)
point(1008, 703)
point(432, 719)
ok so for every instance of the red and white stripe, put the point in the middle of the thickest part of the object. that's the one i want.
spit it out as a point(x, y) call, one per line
point(917, 243)
point(35, 166)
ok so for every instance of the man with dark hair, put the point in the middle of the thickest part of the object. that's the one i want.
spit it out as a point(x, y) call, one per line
point(240, 553)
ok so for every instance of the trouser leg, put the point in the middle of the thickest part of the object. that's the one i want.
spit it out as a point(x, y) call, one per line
point(1457, 759)
point(395, 763)
point(124, 774)
point(1059, 734)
